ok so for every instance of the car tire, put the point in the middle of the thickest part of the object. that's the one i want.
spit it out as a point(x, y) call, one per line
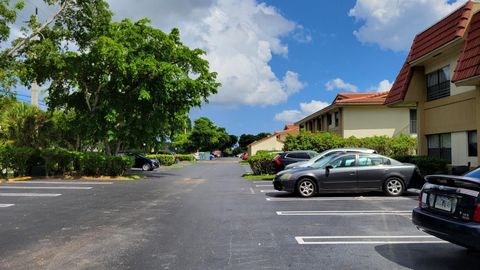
point(146, 167)
point(306, 188)
point(393, 186)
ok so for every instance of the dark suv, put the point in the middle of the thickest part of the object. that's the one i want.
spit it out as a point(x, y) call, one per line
point(142, 162)
point(285, 158)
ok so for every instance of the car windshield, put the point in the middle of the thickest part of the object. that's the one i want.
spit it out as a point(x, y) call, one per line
point(323, 161)
point(475, 173)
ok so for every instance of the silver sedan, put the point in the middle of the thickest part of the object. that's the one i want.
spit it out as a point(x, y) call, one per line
point(353, 172)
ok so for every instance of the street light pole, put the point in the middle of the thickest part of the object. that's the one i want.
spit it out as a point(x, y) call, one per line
point(34, 93)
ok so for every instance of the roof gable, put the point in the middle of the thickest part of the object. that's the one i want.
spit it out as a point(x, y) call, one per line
point(440, 34)
point(449, 28)
point(468, 64)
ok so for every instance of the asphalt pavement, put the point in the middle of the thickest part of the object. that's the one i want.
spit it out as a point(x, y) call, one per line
point(205, 216)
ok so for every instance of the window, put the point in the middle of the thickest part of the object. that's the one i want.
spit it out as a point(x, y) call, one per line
point(329, 119)
point(438, 84)
point(299, 155)
point(345, 161)
point(413, 121)
point(336, 118)
point(364, 160)
point(472, 144)
point(439, 146)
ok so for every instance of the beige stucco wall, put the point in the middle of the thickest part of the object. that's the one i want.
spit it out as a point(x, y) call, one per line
point(456, 114)
point(460, 150)
point(375, 120)
point(269, 144)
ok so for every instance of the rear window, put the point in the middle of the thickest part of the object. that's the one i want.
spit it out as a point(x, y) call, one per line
point(475, 173)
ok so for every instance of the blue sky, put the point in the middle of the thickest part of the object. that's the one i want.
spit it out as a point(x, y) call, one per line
point(334, 51)
point(281, 60)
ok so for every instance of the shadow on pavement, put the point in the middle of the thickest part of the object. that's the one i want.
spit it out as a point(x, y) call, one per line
point(430, 256)
point(283, 194)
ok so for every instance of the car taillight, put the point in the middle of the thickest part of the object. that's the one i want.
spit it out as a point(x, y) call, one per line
point(277, 160)
point(476, 214)
point(420, 199)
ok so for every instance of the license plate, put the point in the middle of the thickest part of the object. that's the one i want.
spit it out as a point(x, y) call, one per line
point(444, 203)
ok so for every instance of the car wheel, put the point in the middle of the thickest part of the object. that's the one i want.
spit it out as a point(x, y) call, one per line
point(306, 188)
point(394, 186)
point(146, 167)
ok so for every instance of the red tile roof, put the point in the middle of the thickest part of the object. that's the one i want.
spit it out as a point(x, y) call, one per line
point(451, 27)
point(354, 98)
point(400, 86)
point(290, 128)
point(468, 64)
point(448, 29)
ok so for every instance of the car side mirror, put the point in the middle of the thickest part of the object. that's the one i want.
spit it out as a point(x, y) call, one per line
point(327, 170)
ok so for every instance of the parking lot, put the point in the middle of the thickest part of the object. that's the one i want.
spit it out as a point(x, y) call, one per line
point(206, 216)
point(359, 231)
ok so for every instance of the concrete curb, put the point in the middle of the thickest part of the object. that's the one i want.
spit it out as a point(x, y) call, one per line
point(18, 179)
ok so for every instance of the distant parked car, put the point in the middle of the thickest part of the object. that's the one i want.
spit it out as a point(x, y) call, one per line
point(244, 156)
point(327, 153)
point(353, 172)
point(286, 158)
point(449, 208)
point(142, 162)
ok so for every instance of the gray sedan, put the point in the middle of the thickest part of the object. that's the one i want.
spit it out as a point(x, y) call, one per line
point(357, 172)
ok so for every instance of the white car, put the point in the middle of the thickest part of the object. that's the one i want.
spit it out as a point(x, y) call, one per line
point(327, 153)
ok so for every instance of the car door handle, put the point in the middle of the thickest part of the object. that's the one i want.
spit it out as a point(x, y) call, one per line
point(353, 173)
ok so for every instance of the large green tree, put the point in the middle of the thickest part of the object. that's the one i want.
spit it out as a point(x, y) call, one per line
point(204, 136)
point(129, 84)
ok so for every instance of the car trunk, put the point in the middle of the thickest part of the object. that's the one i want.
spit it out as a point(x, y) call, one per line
point(450, 196)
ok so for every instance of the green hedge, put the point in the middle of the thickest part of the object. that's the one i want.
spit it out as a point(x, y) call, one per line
point(426, 165)
point(262, 164)
point(23, 160)
point(397, 146)
point(190, 158)
point(165, 159)
point(15, 159)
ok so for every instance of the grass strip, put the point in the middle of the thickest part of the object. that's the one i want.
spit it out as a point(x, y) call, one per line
point(250, 176)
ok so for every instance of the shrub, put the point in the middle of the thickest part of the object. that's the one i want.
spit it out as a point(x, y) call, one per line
point(396, 146)
point(165, 159)
point(16, 159)
point(93, 164)
point(426, 165)
point(118, 165)
point(262, 164)
point(190, 158)
point(59, 161)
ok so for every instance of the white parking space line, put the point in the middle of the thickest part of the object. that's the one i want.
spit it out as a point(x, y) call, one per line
point(63, 182)
point(262, 182)
point(343, 213)
point(363, 240)
point(293, 199)
point(3, 205)
point(29, 194)
point(252, 191)
point(30, 187)
point(263, 185)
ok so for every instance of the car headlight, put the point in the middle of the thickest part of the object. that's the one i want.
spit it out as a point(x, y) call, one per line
point(286, 176)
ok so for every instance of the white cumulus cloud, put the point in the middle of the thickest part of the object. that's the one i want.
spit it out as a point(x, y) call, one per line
point(339, 84)
point(240, 38)
point(306, 108)
point(382, 86)
point(393, 24)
